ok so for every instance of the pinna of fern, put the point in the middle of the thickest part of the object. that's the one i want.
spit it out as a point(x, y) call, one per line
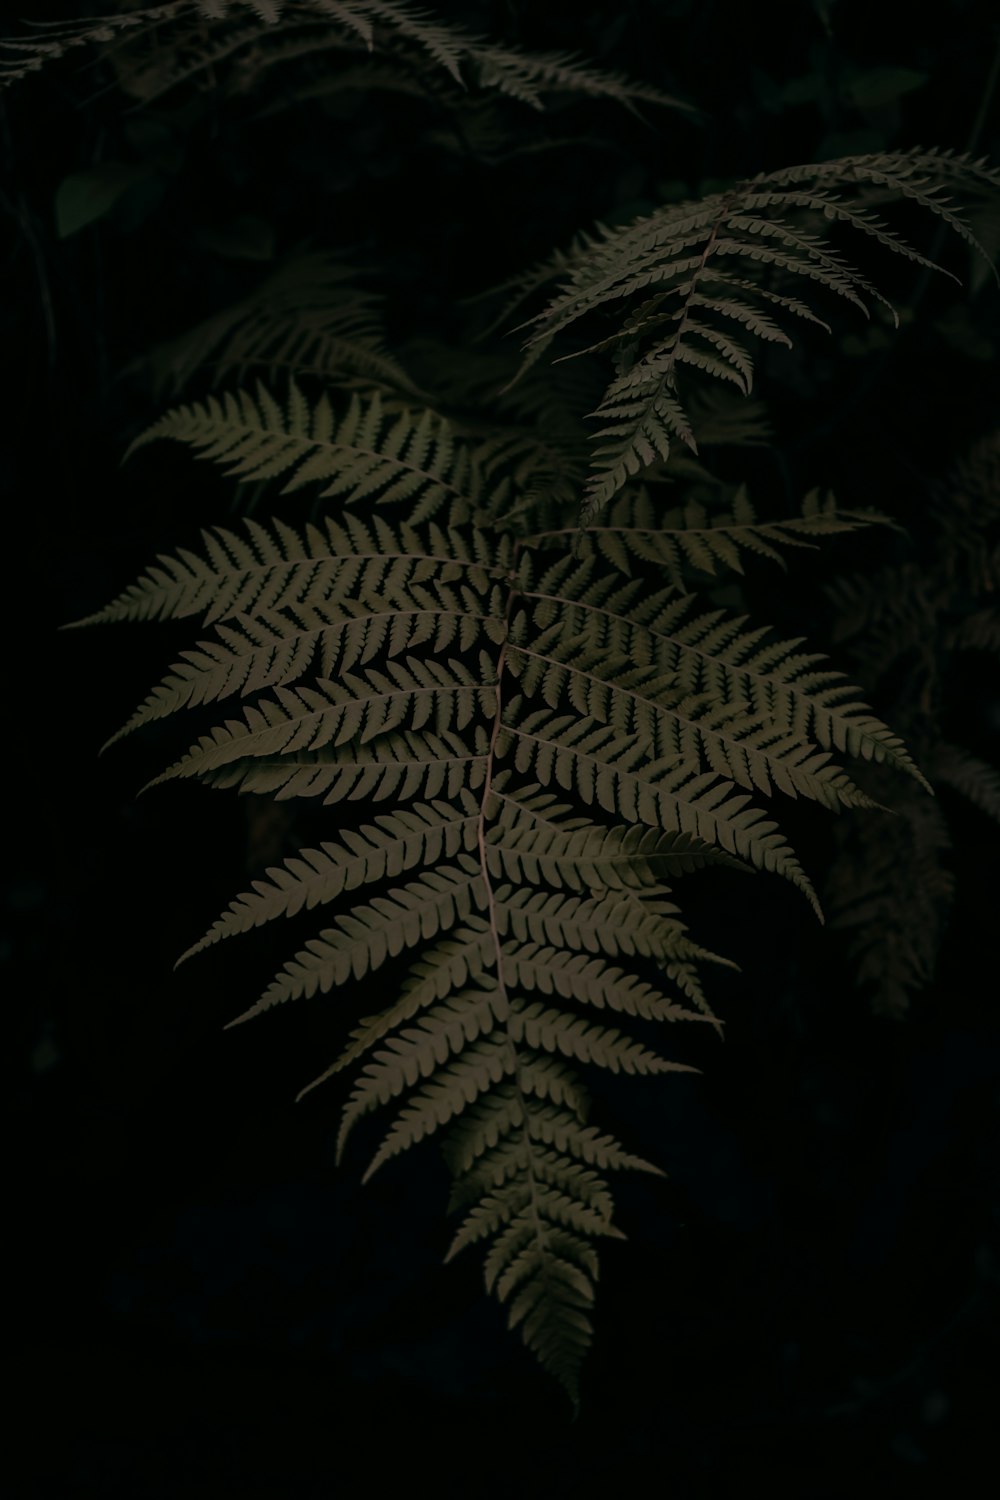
point(539, 744)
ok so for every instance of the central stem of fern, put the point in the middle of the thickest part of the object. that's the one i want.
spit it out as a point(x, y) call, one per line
point(502, 1006)
point(504, 1002)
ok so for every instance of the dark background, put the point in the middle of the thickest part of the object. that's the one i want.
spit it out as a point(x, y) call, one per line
point(198, 1302)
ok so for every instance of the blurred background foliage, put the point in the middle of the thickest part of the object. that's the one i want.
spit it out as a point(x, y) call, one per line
point(809, 1302)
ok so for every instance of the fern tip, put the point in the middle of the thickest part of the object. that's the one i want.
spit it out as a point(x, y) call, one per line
point(138, 442)
point(197, 947)
point(238, 1020)
point(307, 1089)
point(113, 739)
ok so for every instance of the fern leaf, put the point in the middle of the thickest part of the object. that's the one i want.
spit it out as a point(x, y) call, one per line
point(275, 568)
point(443, 972)
point(742, 746)
point(19, 58)
point(603, 767)
point(461, 677)
point(551, 1030)
point(478, 1146)
point(360, 942)
point(527, 77)
point(515, 1200)
point(398, 766)
point(394, 843)
point(597, 924)
point(616, 858)
point(973, 778)
point(481, 1067)
point(585, 1143)
point(308, 317)
point(510, 1157)
point(360, 458)
point(551, 1270)
point(702, 267)
point(357, 709)
point(275, 648)
point(687, 537)
point(890, 892)
point(417, 1052)
point(714, 654)
point(592, 982)
point(978, 632)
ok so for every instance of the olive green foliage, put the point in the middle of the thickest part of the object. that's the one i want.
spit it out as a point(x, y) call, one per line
point(494, 640)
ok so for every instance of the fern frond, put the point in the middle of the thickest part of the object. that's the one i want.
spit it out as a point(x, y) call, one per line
point(603, 923)
point(398, 766)
point(550, 1271)
point(308, 318)
point(357, 708)
point(505, 1161)
point(713, 654)
point(276, 568)
point(749, 748)
point(906, 624)
point(445, 970)
point(588, 1213)
point(528, 77)
point(702, 271)
point(689, 537)
point(362, 941)
point(19, 58)
point(614, 772)
point(978, 632)
point(413, 836)
point(466, 679)
point(276, 648)
point(973, 778)
point(890, 892)
point(592, 981)
point(540, 1207)
point(250, 34)
point(366, 456)
point(418, 1052)
point(616, 858)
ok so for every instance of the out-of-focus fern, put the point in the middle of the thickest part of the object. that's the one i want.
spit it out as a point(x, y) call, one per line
point(889, 892)
point(309, 318)
point(164, 46)
point(906, 627)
